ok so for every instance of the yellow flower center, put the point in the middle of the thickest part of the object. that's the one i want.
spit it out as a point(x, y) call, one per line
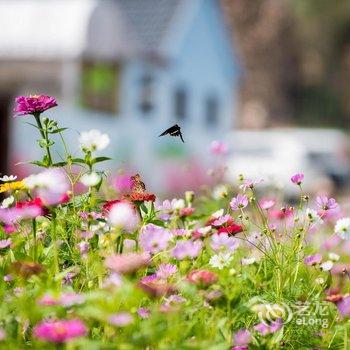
point(12, 186)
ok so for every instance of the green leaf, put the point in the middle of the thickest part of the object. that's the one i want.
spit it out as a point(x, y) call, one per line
point(58, 130)
point(100, 159)
point(78, 160)
point(59, 164)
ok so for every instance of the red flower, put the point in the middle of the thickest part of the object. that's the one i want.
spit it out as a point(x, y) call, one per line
point(188, 211)
point(202, 277)
point(231, 229)
point(109, 204)
point(36, 202)
point(142, 197)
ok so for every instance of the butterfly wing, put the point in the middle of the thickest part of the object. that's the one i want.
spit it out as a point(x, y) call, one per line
point(169, 130)
point(137, 185)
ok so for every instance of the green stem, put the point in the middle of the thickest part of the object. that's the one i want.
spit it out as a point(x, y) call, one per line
point(34, 240)
point(44, 135)
point(54, 242)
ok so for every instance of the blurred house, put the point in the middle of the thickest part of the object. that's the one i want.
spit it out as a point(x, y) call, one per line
point(130, 68)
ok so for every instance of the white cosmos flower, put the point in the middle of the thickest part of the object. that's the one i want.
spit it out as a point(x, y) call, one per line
point(93, 140)
point(8, 178)
point(320, 280)
point(7, 202)
point(342, 228)
point(248, 261)
point(219, 192)
point(333, 256)
point(326, 266)
point(218, 214)
point(220, 260)
point(177, 204)
point(90, 179)
point(313, 216)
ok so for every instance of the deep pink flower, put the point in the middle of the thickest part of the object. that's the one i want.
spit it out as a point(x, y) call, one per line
point(239, 202)
point(326, 203)
point(218, 148)
point(313, 259)
point(60, 331)
point(202, 277)
point(34, 104)
point(297, 179)
point(122, 183)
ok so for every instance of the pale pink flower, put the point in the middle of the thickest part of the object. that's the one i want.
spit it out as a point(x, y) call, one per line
point(166, 270)
point(222, 242)
point(127, 263)
point(267, 204)
point(239, 202)
point(187, 249)
point(143, 312)
point(123, 215)
point(121, 319)
point(326, 203)
point(4, 243)
point(218, 148)
point(154, 238)
point(248, 183)
point(313, 259)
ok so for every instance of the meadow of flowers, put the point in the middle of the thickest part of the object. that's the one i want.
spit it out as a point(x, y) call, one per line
point(114, 267)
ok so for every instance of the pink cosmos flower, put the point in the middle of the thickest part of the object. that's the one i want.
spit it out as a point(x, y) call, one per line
point(241, 339)
point(187, 249)
point(34, 104)
point(248, 183)
point(265, 329)
point(222, 242)
point(127, 263)
point(313, 259)
point(297, 179)
point(344, 306)
point(121, 319)
point(267, 204)
point(113, 280)
point(154, 238)
point(218, 148)
point(4, 243)
point(239, 202)
point(326, 203)
point(10, 216)
point(143, 312)
point(60, 331)
point(166, 270)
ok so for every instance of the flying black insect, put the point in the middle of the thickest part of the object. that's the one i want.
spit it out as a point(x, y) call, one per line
point(175, 130)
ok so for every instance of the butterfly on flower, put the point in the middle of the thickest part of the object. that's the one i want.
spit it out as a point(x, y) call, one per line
point(175, 131)
point(138, 190)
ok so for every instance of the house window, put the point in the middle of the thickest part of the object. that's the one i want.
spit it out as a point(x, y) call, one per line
point(181, 104)
point(212, 110)
point(146, 94)
point(100, 86)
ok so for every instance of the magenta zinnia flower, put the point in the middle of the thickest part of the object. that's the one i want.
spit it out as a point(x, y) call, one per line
point(60, 331)
point(34, 104)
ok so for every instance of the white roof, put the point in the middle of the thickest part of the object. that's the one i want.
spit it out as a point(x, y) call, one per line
point(50, 29)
